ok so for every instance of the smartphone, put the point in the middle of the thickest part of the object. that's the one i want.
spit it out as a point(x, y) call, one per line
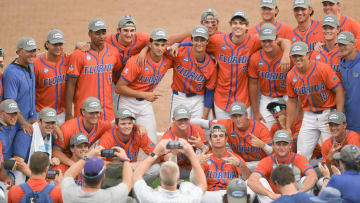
point(10, 164)
point(108, 152)
point(174, 145)
point(52, 174)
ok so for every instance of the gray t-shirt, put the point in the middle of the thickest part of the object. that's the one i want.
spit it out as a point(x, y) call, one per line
point(73, 193)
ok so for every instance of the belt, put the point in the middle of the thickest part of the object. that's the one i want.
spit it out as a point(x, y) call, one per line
point(187, 95)
point(320, 112)
point(140, 99)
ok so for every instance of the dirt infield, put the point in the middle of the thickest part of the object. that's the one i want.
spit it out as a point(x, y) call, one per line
point(36, 17)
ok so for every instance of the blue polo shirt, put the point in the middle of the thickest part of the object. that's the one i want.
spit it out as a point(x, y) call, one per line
point(348, 183)
point(19, 84)
point(6, 138)
point(350, 74)
point(299, 197)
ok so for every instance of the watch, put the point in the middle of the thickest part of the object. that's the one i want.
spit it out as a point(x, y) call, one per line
point(153, 155)
point(85, 158)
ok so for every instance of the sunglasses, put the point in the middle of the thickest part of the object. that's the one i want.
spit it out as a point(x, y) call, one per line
point(276, 109)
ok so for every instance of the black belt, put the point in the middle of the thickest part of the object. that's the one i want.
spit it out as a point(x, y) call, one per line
point(187, 95)
point(320, 112)
point(140, 99)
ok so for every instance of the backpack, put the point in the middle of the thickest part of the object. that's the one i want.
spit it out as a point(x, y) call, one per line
point(31, 196)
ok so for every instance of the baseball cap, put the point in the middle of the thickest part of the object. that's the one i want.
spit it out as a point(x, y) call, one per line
point(47, 114)
point(78, 139)
point(125, 20)
point(275, 102)
point(337, 117)
point(328, 194)
point(217, 128)
point(236, 191)
point(158, 34)
point(349, 154)
point(282, 136)
point(92, 104)
point(97, 24)
point(181, 112)
point(55, 36)
point(124, 113)
point(94, 168)
point(200, 31)
point(2, 52)
point(332, 1)
point(268, 3)
point(331, 20)
point(302, 4)
point(209, 11)
point(241, 14)
point(113, 174)
point(9, 106)
point(267, 32)
point(345, 38)
point(238, 108)
point(299, 48)
point(26, 43)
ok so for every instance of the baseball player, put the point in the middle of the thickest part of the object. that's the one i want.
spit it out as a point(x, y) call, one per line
point(319, 90)
point(264, 69)
point(50, 75)
point(2, 56)
point(350, 69)
point(340, 137)
point(194, 76)
point(260, 182)
point(307, 30)
point(269, 10)
point(90, 73)
point(137, 83)
point(182, 128)
point(346, 23)
point(330, 52)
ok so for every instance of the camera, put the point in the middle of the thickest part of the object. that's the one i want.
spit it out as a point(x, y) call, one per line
point(108, 153)
point(52, 174)
point(174, 145)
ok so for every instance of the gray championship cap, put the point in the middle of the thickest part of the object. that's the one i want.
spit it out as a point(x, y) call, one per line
point(282, 136)
point(217, 128)
point(301, 4)
point(331, 20)
point(158, 34)
point(241, 14)
point(9, 106)
point(345, 38)
point(328, 194)
point(267, 32)
point(209, 11)
point(26, 43)
point(299, 48)
point(55, 36)
point(200, 31)
point(332, 1)
point(236, 191)
point(268, 3)
point(349, 154)
point(78, 139)
point(2, 52)
point(47, 114)
point(97, 24)
point(91, 104)
point(337, 117)
point(127, 21)
point(238, 108)
point(181, 112)
point(123, 113)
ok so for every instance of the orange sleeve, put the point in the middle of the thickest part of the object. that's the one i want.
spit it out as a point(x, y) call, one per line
point(211, 75)
point(67, 136)
point(354, 138)
point(75, 63)
point(263, 133)
point(264, 167)
point(106, 140)
point(329, 76)
point(214, 41)
point(145, 37)
point(56, 195)
point(131, 70)
point(61, 167)
point(252, 70)
point(274, 128)
point(256, 45)
point(325, 148)
point(146, 144)
point(289, 84)
point(302, 163)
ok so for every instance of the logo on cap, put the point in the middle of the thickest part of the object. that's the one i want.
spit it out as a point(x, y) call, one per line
point(160, 33)
point(57, 36)
point(341, 36)
point(267, 1)
point(209, 10)
point(93, 104)
point(31, 43)
point(239, 13)
point(81, 137)
point(201, 30)
point(99, 23)
point(333, 117)
point(236, 107)
point(126, 112)
point(282, 135)
point(237, 193)
point(127, 17)
point(297, 48)
point(299, 1)
point(12, 105)
point(181, 111)
point(50, 113)
point(329, 19)
point(267, 31)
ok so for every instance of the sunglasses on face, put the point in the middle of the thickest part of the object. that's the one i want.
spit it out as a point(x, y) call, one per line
point(276, 109)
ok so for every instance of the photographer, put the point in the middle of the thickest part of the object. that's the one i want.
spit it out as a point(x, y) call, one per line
point(169, 177)
point(93, 170)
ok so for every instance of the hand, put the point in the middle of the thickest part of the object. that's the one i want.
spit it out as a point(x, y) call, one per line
point(140, 129)
point(289, 130)
point(151, 96)
point(335, 170)
point(141, 58)
point(259, 117)
point(187, 149)
point(319, 47)
point(83, 46)
point(160, 148)
point(203, 157)
point(121, 154)
point(196, 141)
point(55, 161)
point(58, 178)
point(58, 133)
point(282, 121)
point(94, 151)
point(285, 63)
point(334, 148)
point(174, 49)
point(8, 181)
point(324, 170)
point(27, 128)
point(232, 160)
point(256, 142)
point(274, 196)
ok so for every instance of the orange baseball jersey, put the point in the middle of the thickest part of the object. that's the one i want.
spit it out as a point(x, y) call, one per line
point(193, 131)
point(1, 87)
point(267, 165)
point(352, 138)
point(331, 58)
point(218, 173)
point(50, 82)
point(313, 87)
point(139, 41)
point(268, 72)
point(349, 24)
point(145, 78)
point(76, 125)
point(312, 36)
point(240, 142)
point(192, 76)
point(132, 147)
point(232, 81)
point(283, 31)
point(62, 167)
point(93, 71)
